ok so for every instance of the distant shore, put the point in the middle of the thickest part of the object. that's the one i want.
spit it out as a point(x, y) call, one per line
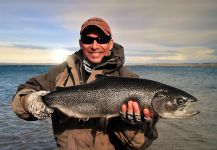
point(147, 64)
point(180, 64)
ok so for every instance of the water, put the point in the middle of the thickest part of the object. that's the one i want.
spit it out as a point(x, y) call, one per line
point(16, 133)
point(174, 134)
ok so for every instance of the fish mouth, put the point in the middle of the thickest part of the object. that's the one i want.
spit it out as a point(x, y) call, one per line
point(192, 100)
point(185, 111)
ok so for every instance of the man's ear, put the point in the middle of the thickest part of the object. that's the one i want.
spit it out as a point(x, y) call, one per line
point(111, 43)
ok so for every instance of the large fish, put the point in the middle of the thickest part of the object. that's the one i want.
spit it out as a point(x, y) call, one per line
point(104, 97)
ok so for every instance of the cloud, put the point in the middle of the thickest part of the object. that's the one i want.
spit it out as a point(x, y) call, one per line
point(150, 31)
point(197, 54)
point(29, 54)
point(13, 55)
point(167, 38)
point(28, 46)
point(169, 22)
point(164, 54)
point(153, 54)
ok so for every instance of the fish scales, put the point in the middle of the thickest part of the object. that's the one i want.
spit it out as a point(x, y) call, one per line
point(104, 97)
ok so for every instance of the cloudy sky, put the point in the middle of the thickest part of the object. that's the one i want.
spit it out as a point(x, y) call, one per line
point(151, 31)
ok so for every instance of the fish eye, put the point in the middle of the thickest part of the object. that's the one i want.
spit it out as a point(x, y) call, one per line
point(180, 101)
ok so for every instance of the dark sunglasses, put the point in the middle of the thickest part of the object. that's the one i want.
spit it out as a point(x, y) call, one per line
point(100, 40)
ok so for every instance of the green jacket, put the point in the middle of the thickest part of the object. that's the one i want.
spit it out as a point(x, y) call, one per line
point(73, 133)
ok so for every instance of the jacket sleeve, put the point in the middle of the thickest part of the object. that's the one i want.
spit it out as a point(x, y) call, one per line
point(133, 136)
point(44, 81)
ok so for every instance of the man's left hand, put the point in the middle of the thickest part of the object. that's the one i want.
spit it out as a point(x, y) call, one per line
point(131, 113)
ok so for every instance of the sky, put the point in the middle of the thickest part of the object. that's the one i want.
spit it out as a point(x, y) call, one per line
point(151, 31)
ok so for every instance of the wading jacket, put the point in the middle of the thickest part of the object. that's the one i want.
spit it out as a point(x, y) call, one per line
point(78, 134)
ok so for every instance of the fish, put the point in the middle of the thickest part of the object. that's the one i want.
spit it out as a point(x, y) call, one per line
point(104, 97)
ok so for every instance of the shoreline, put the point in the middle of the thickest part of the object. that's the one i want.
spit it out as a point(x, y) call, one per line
point(179, 65)
point(147, 64)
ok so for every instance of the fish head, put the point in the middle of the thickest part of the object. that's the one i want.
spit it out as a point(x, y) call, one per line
point(173, 104)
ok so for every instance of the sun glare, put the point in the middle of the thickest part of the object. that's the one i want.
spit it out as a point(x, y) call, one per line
point(60, 55)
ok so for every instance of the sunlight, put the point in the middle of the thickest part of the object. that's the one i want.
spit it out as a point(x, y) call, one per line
point(60, 55)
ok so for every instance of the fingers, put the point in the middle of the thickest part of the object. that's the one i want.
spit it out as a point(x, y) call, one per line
point(136, 108)
point(137, 114)
point(131, 112)
point(131, 107)
point(124, 108)
point(124, 111)
point(147, 114)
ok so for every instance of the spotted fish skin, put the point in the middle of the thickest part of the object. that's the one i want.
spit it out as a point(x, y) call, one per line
point(104, 97)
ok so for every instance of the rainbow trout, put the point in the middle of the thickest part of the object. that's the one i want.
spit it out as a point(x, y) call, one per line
point(104, 97)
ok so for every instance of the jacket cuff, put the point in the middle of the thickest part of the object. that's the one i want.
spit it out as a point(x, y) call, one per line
point(19, 104)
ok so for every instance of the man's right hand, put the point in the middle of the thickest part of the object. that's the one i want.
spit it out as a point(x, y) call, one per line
point(130, 113)
point(36, 106)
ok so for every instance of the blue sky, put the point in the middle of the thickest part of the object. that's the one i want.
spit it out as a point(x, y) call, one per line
point(151, 31)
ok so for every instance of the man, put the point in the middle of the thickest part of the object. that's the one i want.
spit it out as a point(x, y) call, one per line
point(98, 55)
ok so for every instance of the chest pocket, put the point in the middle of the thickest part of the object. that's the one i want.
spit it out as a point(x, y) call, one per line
point(70, 76)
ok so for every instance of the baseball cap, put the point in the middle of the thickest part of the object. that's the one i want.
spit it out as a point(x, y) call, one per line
point(99, 22)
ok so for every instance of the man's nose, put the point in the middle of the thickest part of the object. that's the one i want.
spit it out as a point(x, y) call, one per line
point(95, 45)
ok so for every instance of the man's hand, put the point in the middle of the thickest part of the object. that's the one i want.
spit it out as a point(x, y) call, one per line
point(36, 106)
point(131, 113)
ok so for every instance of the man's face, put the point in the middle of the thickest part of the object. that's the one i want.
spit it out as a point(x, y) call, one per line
point(95, 51)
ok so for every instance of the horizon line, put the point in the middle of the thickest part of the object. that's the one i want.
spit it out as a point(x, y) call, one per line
point(132, 64)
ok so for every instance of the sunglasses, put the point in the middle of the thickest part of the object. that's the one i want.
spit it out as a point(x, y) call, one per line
point(100, 40)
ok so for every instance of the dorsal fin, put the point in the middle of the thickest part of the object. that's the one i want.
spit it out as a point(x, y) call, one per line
point(99, 76)
point(58, 88)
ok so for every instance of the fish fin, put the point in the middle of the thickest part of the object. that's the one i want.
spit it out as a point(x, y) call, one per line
point(63, 120)
point(58, 88)
point(99, 76)
point(102, 124)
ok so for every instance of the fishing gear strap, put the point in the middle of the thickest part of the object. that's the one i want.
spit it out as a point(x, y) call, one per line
point(71, 70)
point(69, 75)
